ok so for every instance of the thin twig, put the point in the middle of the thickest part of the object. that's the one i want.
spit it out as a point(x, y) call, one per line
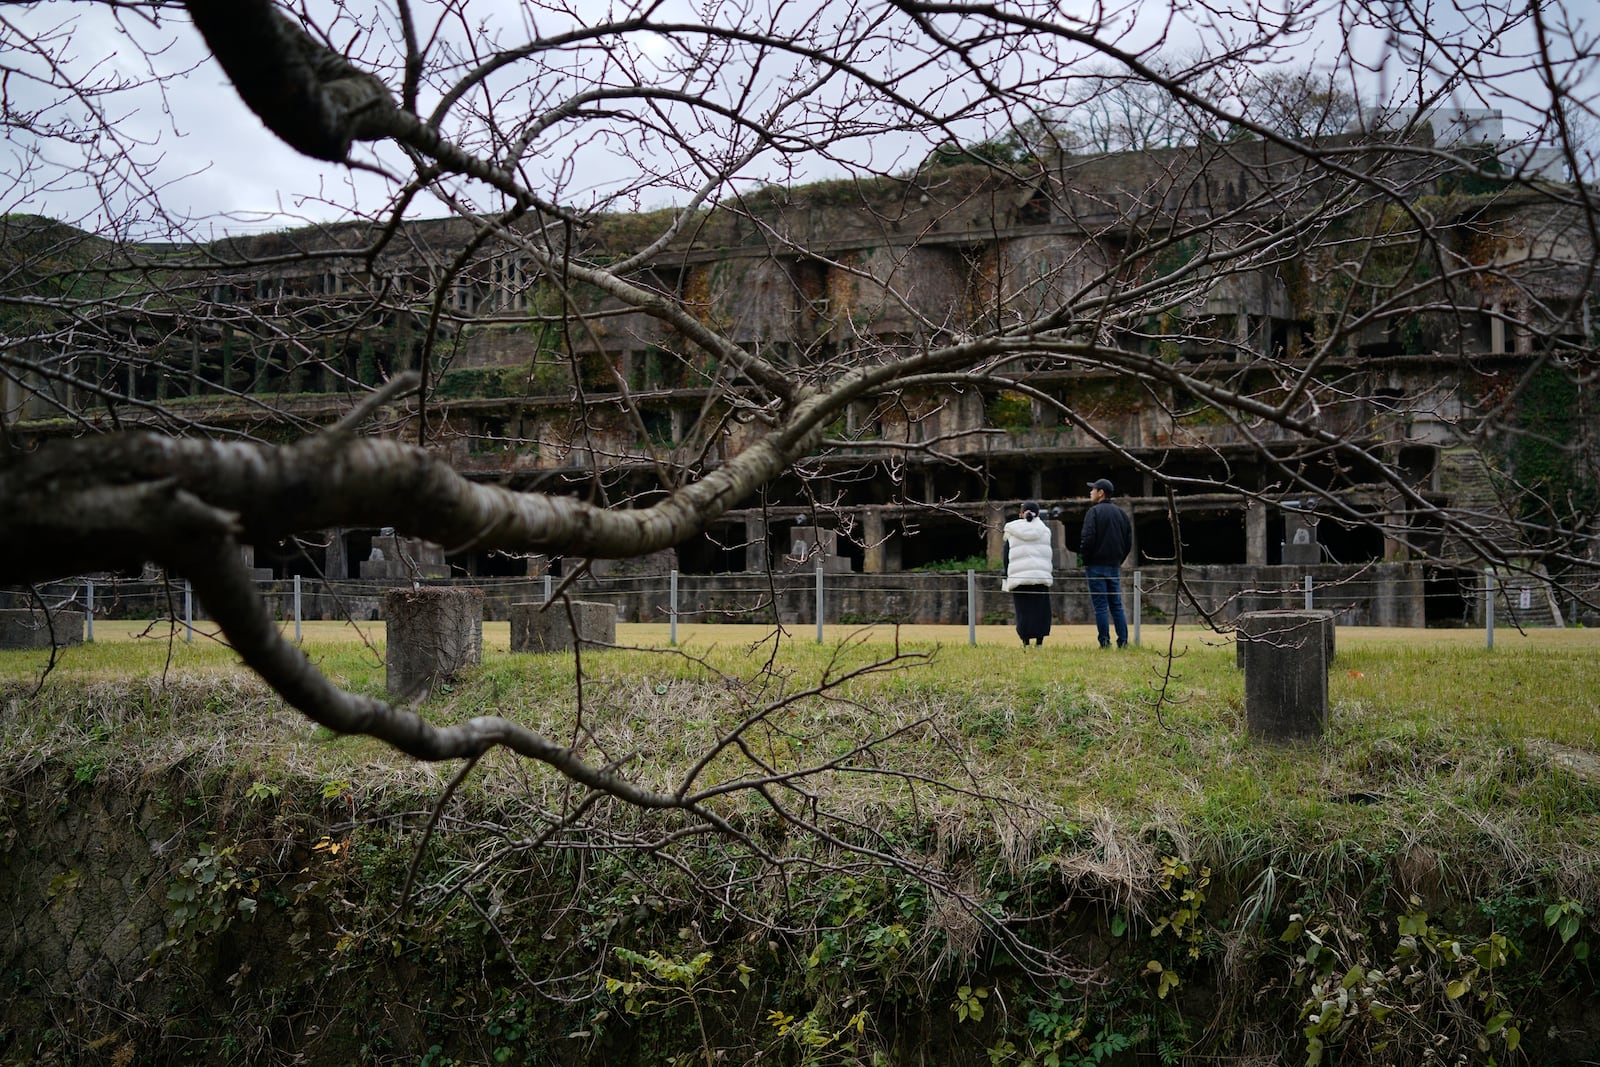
point(427, 833)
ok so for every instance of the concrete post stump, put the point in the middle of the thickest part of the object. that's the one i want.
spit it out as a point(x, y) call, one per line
point(1244, 630)
point(548, 630)
point(1286, 655)
point(32, 628)
point(431, 634)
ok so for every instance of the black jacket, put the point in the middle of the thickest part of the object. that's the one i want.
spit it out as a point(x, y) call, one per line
point(1107, 536)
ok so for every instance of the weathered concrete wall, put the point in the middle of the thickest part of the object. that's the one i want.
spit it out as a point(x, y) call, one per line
point(1379, 594)
point(35, 628)
point(149, 920)
point(1376, 595)
point(87, 894)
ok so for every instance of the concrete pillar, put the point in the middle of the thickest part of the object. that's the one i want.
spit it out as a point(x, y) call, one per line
point(431, 634)
point(550, 630)
point(1064, 559)
point(756, 554)
point(1285, 655)
point(1255, 533)
point(247, 554)
point(336, 564)
point(1397, 595)
point(1395, 549)
point(994, 534)
point(872, 533)
point(893, 546)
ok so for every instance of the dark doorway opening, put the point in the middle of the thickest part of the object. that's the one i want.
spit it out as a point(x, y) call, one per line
point(1350, 542)
point(722, 549)
point(1209, 538)
point(296, 555)
point(357, 549)
point(504, 565)
point(1446, 597)
point(934, 539)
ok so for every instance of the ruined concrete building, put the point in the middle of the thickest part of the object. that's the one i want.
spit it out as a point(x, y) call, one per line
point(1234, 262)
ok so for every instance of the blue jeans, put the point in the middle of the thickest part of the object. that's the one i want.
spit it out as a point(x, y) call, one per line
point(1105, 591)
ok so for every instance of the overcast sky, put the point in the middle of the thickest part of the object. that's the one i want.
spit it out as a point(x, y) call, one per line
point(213, 160)
point(205, 151)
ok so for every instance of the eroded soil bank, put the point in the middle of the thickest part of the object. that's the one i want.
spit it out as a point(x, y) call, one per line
point(228, 919)
point(946, 859)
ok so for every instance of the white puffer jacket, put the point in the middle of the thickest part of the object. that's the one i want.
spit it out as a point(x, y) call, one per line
point(1031, 556)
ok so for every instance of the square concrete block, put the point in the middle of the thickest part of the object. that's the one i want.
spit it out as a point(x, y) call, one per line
point(1244, 630)
point(536, 628)
point(1285, 673)
point(431, 634)
point(32, 628)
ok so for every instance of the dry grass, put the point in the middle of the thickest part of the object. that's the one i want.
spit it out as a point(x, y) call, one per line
point(1432, 737)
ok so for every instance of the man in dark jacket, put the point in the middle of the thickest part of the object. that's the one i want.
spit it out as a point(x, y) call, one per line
point(1107, 539)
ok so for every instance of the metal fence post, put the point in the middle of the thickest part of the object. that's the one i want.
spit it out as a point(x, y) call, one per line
point(88, 610)
point(972, 608)
point(819, 598)
point(1308, 592)
point(1138, 605)
point(672, 607)
point(1488, 607)
point(188, 612)
point(297, 609)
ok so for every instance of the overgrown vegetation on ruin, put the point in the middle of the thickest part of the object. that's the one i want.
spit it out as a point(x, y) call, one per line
point(1099, 874)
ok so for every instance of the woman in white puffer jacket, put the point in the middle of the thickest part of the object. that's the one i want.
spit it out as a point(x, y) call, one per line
point(1030, 563)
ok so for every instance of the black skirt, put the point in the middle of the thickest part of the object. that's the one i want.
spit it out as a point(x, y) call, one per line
point(1032, 603)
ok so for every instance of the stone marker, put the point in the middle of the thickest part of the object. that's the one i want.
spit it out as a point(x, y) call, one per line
point(1242, 630)
point(1285, 673)
point(548, 630)
point(431, 634)
point(30, 628)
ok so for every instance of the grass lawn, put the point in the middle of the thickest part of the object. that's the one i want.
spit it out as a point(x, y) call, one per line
point(497, 636)
point(1176, 702)
point(1441, 730)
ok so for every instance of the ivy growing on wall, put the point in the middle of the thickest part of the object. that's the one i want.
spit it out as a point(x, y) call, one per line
point(1556, 489)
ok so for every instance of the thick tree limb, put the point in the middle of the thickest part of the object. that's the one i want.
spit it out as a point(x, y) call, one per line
point(86, 504)
point(212, 565)
point(311, 97)
point(318, 102)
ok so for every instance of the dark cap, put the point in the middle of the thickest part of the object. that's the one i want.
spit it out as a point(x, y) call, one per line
point(1104, 485)
point(1032, 505)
